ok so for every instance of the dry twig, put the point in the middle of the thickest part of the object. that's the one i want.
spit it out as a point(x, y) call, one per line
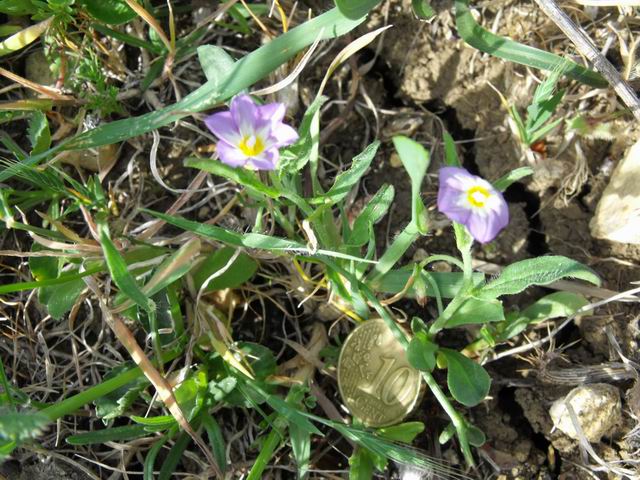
point(586, 47)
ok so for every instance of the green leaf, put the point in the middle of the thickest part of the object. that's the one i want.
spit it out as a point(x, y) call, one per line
point(216, 440)
point(371, 214)
point(468, 382)
point(415, 159)
point(513, 176)
point(449, 283)
point(109, 11)
point(116, 402)
point(216, 63)
point(476, 437)
point(502, 47)
point(119, 271)
point(423, 9)
point(115, 434)
point(150, 459)
point(474, 311)
point(403, 432)
point(262, 361)
point(153, 424)
point(190, 394)
point(43, 268)
point(450, 154)
point(172, 459)
point(239, 272)
point(447, 434)
point(248, 240)
point(128, 39)
point(544, 102)
point(294, 158)
point(239, 175)
point(554, 305)
point(418, 325)
point(356, 8)
point(301, 447)
point(360, 465)
point(346, 180)
point(17, 7)
point(39, 134)
point(220, 389)
point(59, 299)
point(536, 271)
point(19, 426)
point(421, 352)
point(539, 113)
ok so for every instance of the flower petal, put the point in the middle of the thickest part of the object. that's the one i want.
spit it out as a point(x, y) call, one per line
point(282, 135)
point(458, 178)
point(231, 155)
point(222, 126)
point(484, 229)
point(267, 160)
point(272, 112)
point(449, 203)
point(245, 114)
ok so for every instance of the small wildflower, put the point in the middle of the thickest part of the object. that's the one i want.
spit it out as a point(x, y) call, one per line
point(250, 135)
point(473, 202)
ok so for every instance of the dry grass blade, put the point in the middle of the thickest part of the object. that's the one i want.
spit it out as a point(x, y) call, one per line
point(24, 37)
point(349, 50)
point(585, 46)
point(289, 79)
point(41, 89)
point(153, 23)
point(165, 392)
point(586, 445)
point(179, 261)
point(530, 346)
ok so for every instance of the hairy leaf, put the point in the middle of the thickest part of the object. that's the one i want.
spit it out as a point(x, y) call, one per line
point(536, 271)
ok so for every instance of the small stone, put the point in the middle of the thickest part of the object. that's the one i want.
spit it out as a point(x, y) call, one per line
point(420, 255)
point(395, 161)
point(37, 69)
point(617, 216)
point(597, 407)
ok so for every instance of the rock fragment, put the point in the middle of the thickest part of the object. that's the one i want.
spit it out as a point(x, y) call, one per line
point(597, 407)
point(617, 216)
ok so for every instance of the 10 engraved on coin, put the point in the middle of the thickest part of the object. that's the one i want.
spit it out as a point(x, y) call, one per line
point(376, 382)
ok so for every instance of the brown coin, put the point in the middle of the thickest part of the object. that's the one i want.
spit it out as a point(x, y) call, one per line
point(376, 382)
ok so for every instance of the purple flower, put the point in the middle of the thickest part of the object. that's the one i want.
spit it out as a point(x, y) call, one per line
point(249, 134)
point(473, 202)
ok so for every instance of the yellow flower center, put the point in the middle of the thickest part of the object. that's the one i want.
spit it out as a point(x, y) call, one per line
point(251, 145)
point(477, 196)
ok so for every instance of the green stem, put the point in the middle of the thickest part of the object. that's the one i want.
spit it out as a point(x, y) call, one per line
point(394, 253)
point(71, 404)
point(467, 269)
point(266, 453)
point(456, 419)
point(442, 320)
point(17, 287)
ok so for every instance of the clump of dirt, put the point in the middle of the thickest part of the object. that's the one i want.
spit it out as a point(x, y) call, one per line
point(42, 468)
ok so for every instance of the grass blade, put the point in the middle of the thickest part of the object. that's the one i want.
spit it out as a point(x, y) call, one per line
point(502, 47)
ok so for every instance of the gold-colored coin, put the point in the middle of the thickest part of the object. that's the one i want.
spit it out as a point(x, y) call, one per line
point(376, 382)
